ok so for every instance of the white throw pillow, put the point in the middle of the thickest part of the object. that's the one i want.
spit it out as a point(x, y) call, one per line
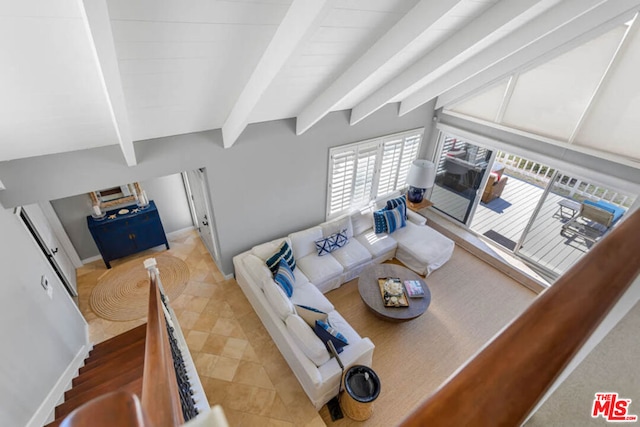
point(304, 242)
point(307, 340)
point(336, 226)
point(265, 250)
point(257, 269)
point(281, 304)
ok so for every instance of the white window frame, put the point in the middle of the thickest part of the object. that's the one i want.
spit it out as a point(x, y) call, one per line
point(348, 160)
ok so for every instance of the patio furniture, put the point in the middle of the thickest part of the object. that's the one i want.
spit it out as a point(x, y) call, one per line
point(494, 187)
point(570, 205)
point(593, 220)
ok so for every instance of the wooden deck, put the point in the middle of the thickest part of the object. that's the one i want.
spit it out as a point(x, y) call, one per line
point(504, 219)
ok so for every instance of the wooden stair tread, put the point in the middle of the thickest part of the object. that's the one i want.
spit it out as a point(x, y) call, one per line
point(100, 373)
point(124, 339)
point(123, 377)
point(118, 354)
point(62, 410)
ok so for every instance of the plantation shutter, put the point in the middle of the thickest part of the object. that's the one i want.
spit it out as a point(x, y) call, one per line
point(391, 154)
point(365, 169)
point(342, 166)
point(409, 154)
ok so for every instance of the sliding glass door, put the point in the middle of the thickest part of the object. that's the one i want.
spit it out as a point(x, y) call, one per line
point(460, 173)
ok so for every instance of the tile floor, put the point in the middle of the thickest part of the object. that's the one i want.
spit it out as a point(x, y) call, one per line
point(239, 366)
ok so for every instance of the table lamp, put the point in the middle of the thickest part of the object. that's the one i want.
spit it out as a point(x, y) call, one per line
point(422, 176)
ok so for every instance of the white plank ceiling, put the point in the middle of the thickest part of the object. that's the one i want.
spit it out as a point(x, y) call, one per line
point(77, 74)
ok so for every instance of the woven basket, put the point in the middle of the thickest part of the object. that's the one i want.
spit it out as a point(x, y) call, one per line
point(355, 410)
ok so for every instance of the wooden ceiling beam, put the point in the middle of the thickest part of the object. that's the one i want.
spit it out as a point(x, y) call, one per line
point(300, 21)
point(391, 45)
point(488, 28)
point(99, 29)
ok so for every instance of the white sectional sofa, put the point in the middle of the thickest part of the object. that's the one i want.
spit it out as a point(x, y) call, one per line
point(418, 246)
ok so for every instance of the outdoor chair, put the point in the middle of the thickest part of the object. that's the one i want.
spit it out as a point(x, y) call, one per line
point(593, 220)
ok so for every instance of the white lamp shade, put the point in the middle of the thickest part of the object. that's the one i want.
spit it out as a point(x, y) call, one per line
point(422, 174)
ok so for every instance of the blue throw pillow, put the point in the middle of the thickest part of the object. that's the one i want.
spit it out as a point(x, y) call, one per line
point(379, 223)
point(398, 201)
point(326, 332)
point(284, 252)
point(285, 278)
point(394, 219)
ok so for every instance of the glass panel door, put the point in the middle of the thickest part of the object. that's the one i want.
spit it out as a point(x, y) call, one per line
point(459, 174)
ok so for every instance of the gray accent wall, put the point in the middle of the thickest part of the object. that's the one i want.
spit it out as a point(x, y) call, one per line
point(270, 183)
point(41, 336)
point(167, 192)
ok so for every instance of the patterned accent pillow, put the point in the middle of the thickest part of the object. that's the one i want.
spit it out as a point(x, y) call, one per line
point(284, 252)
point(379, 222)
point(310, 314)
point(394, 218)
point(398, 201)
point(326, 332)
point(331, 243)
point(341, 238)
point(285, 278)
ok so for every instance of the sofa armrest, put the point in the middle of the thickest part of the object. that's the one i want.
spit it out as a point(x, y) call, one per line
point(416, 218)
point(358, 353)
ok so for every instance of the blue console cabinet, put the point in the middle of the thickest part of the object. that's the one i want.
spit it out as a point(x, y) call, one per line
point(126, 234)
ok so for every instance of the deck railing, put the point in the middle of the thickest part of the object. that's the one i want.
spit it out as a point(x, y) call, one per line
point(564, 185)
point(503, 383)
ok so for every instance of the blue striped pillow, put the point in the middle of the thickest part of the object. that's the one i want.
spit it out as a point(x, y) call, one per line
point(398, 201)
point(379, 223)
point(285, 278)
point(394, 219)
point(284, 252)
point(326, 332)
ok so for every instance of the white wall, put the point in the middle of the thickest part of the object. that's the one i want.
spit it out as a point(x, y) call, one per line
point(270, 183)
point(167, 192)
point(40, 336)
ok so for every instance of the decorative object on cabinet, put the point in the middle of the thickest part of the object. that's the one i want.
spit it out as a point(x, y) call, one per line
point(115, 196)
point(124, 234)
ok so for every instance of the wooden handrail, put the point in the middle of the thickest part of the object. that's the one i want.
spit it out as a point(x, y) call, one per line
point(118, 408)
point(160, 395)
point(503, 383)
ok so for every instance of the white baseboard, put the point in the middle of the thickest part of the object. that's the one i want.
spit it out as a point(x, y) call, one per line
point(45, 413)
point(91, 259)
point(175, 233)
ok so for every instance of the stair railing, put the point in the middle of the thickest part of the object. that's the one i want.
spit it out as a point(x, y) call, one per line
point(502, 384)
point(160, 394)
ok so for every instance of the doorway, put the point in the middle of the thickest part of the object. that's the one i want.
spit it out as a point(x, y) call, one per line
point(195, 183)
point(37, 224)
point(460, 174)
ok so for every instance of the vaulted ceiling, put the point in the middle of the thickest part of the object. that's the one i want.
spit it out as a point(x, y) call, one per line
point(80, 74)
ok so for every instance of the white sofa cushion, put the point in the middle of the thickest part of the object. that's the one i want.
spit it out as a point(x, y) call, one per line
point(307, 340)
point(304, 242)
point(377, 244)
point(337, 321)
point(352, 255)
point(337, 225)
point(320, 269)
point(265, 250)
point(257, 269)
point(301, 279)
point(279, 301)
point(362, 220)
point(421, 248)
point(311, 296)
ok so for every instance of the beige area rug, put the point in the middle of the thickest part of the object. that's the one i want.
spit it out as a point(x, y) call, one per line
point(122, 293)
point(471, 302)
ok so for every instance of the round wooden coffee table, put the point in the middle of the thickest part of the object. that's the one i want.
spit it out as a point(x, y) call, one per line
point(370, 292)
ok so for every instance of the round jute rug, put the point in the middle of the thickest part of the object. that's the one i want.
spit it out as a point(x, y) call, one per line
point(123, 292)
